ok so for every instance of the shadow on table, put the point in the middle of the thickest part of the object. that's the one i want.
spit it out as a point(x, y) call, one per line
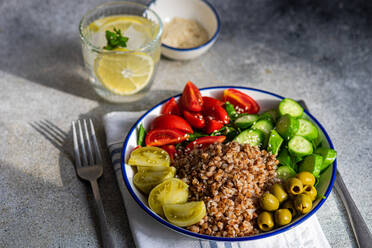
point(111, 198)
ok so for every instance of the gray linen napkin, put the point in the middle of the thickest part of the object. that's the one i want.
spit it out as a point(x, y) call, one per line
point(147, 232)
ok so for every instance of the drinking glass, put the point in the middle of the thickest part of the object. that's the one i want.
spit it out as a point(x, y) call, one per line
point(121, 74)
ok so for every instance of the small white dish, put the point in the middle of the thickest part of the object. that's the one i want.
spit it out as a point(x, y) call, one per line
point(199, 10)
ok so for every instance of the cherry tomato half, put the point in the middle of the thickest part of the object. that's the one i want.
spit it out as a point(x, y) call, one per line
point(208, 101)
point(241, 101)
point(212, 125)
point(191, 98)
point(171, 149)
point(204, 141)
point(171, 108)
point(171, 122)
point(196, 120)
point(212, 110)
point(160, 137)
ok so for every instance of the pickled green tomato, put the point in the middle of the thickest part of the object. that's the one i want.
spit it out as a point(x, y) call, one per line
point(148, 177)
point(185, 214)
point(149, 156)
point(171, 191)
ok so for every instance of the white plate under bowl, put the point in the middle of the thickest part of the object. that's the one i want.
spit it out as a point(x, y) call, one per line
point(199, 10)
point(267, 101)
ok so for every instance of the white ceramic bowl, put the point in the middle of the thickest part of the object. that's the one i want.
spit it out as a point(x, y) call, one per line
point(199, 10)
point(267, 101)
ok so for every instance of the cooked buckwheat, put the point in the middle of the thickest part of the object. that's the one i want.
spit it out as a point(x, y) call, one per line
point(229, 178)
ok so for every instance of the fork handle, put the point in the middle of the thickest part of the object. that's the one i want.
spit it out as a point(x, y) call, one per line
point(106, 236)
point(362, 234)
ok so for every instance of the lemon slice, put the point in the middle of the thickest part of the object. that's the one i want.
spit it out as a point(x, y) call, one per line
point(124, 74)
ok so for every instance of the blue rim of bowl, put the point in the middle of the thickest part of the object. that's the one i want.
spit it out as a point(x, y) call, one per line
point(207, 237)
point(212, 39)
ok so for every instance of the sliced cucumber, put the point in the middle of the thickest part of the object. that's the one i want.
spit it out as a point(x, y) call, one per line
point(284, 172)
point(271, 115)
point(329, 155)
point(307, 129)
point(252, 137)
point(299, 146)
point(291, 107)
point(287, 126)
point(263, 125)
point(275, 141)
point(246, 121)
point(313, 164)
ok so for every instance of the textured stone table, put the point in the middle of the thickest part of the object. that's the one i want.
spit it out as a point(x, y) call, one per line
point(319, 51)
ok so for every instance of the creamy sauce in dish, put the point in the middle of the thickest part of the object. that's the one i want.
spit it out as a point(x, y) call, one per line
point(184, 33)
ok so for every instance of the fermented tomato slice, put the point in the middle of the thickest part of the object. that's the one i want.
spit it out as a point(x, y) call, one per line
point(160, 137)
point(196, 120)
point(171, 107)
point(204, 141)
point(242, 102)
point(171, 122)
point(191, 98)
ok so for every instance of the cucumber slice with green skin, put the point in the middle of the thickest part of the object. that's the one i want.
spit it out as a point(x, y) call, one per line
point(307, 130)
point(313, 164)
point(284, 158)
point(271, 115)
point(263, 125)
point(299, 146)
point(329, 155)
point(287, 126)
point(252, 137)
point(275, 141)
point(291, 107)
point(284, 172)
point(246, 121)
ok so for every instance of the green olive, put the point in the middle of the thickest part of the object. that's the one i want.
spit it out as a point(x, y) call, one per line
point(294, 186)
point(306, 178)
point(265, 221)
point(278, 191)
point(303, 203)
point(289, 205)
point(310, 191)
point(269, 202)
point(282, 217)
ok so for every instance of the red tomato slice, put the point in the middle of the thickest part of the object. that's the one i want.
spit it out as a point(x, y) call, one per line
point(191, 98)
point(160, 137)
point(196, 120)
point(171, 122)
point(212, 110)
point(242, 102)
point(210, 101)
point(171, 149)
point(171, 108)
point(212, 125)
point(204, 141)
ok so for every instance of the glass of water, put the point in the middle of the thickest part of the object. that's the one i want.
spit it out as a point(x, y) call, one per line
point(124, 73)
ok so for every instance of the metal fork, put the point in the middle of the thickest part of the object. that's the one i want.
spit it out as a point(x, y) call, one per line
point(89, 167)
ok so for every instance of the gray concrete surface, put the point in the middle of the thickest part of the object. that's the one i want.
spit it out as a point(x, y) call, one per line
point(320, 51)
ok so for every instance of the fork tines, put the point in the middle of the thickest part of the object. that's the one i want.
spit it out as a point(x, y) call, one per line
point(84, 139)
